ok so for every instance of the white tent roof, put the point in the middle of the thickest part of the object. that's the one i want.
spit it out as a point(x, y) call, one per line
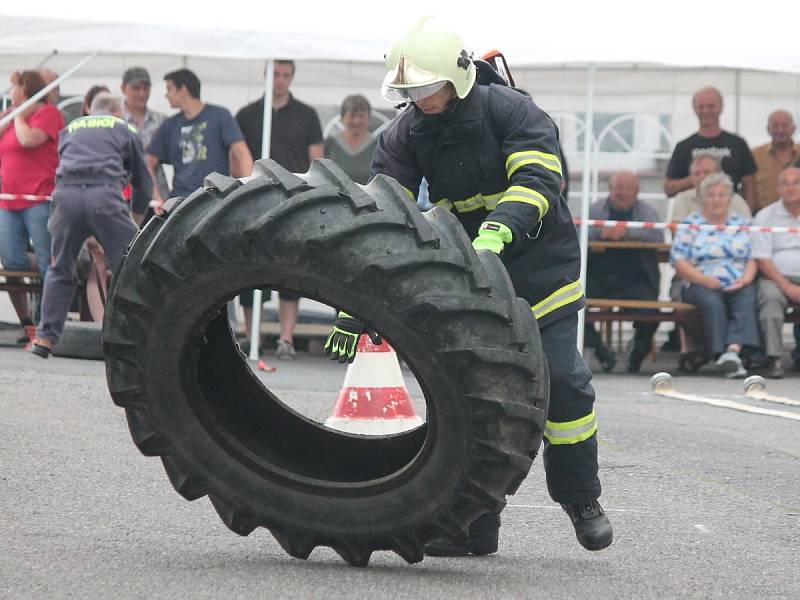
point(679, 33)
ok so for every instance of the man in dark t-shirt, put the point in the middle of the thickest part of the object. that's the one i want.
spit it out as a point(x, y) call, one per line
point(296, 137)
point(200, 139)
point(731, 150)
point(295, 141)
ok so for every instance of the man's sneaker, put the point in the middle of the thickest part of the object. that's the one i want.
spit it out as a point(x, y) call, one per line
point(640, 349)
point(606, 358)
point(673, 343)
point(482, 540)
point(775, 368)
point(740, 373)
point(729, 362)
point(285, 350)
point(635, 360)
point(592, 527)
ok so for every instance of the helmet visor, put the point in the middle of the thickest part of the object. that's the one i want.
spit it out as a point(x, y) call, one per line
point(414, 94)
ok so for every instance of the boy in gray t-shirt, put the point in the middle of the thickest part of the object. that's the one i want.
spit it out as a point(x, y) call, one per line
point(199, 140)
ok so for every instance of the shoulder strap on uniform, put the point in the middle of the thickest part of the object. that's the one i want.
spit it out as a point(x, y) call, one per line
point(485, 73)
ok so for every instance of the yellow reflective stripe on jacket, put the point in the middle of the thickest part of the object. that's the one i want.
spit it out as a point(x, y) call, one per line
point(409, 192)
point(98, 121)
point(518, 193)
point(489, 202)
point(564, 295)
point(492, 200)
point(532, 157)
point(469, 204)
point(571, 432)
point(444, 203)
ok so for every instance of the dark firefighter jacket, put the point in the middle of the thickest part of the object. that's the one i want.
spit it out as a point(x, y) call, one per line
point(103, 149)
point(495, 157)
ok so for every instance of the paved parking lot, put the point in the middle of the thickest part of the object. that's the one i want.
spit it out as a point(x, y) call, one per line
point(705, 502)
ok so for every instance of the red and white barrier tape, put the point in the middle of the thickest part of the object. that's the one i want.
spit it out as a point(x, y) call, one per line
point(683, 226)
point(589, 222)
point(31, 197)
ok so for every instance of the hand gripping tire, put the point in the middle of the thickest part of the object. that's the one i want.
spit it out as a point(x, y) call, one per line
point(191, 399)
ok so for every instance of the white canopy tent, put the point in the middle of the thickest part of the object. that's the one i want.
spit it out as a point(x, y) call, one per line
point(629, 56)
point(683, 33)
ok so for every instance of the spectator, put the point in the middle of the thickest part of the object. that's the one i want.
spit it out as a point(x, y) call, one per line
point(87, 99)
point(684, 204)
point(718, 269)
point(295, 141)
point(49, 76)
point(353, 147)
point(28, 162)
point(778, 258)
point(773, 157)
point(623, 273)
point(98, 155)
point(136, 86)
point(688, 202)
point(201, 139)
point(711, 139)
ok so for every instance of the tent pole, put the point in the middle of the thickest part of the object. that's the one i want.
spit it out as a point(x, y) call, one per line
point(44, 91)
point(586, 191)
point(738, 88)
point(266, 137)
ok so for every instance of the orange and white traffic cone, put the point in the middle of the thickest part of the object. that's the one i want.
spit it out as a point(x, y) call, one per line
point(374, 399)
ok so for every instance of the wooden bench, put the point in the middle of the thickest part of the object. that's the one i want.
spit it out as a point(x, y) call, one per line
point(21, 281)
point(605, 310)
point(793, 313)
point(661, 249)
point(301, 330)
point(609, 311)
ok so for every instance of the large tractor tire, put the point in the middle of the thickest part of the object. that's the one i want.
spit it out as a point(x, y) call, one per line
point(190, 397)
point(81, 339)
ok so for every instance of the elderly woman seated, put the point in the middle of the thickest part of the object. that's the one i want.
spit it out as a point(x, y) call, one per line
point(718, 271)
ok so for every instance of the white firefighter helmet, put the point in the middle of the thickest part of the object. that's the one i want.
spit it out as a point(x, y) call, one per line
point(422, 62)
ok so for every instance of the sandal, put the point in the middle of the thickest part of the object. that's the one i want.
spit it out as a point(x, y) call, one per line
point(41, 350)
point(691, 361)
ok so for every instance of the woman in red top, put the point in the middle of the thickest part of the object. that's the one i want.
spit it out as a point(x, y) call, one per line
point(28, 162)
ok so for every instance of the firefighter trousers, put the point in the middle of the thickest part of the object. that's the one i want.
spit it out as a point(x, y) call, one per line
point(78, 212)
point(570, 444)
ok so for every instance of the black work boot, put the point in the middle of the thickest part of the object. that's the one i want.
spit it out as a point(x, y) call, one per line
point(592, 527)
point(482, 540)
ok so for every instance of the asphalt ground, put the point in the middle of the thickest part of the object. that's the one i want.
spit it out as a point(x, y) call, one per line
point(705, 503)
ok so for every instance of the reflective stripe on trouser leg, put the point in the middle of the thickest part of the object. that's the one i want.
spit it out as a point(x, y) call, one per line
point(570, 449)
point(571, 432)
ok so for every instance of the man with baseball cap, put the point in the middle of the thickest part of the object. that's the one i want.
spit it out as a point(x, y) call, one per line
point(135, 87)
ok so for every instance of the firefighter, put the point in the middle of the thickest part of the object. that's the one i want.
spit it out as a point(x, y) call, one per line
point(492, 157)
point(98, 154)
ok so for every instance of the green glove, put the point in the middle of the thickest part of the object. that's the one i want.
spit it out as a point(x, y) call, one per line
point(343, 340)
point(492, 236)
